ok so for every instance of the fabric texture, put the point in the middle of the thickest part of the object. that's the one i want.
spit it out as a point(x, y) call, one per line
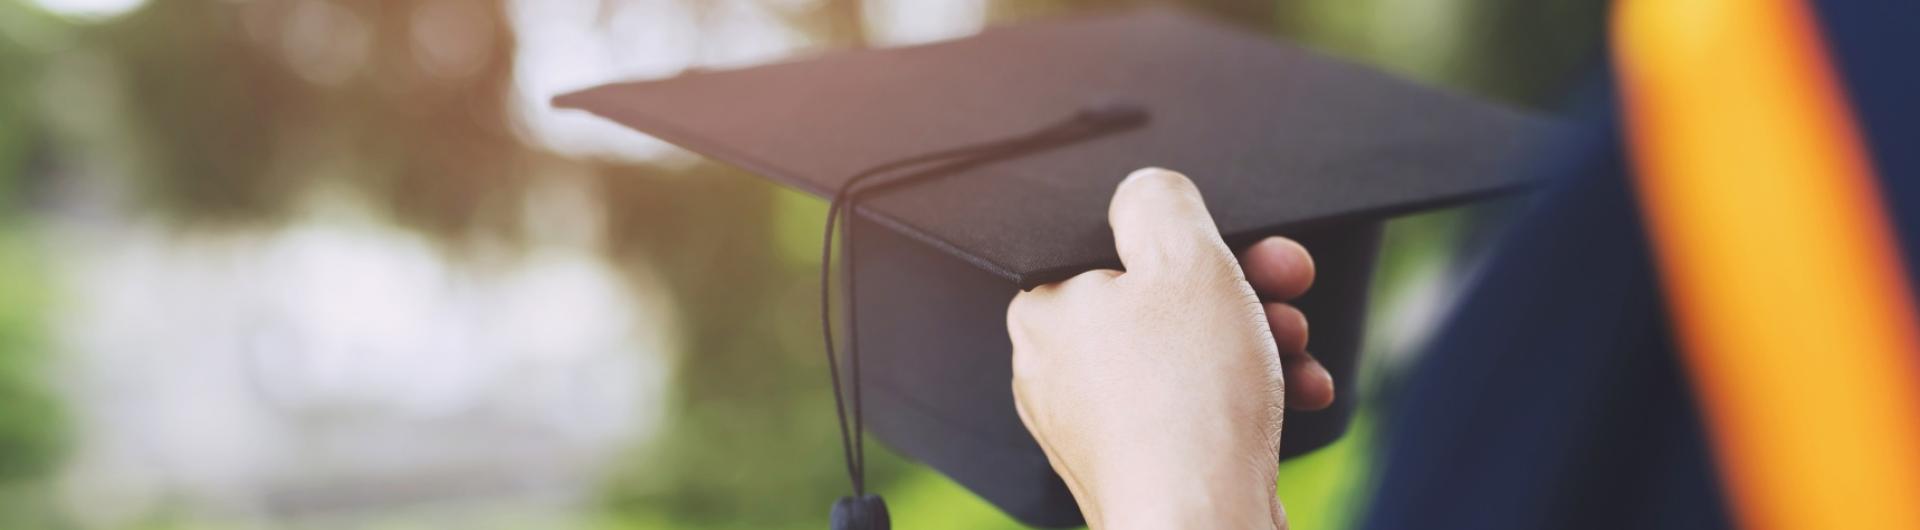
point(1277, 137)
point(1553, 397)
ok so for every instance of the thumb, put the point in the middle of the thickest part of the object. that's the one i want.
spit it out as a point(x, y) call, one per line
point(1160, 222)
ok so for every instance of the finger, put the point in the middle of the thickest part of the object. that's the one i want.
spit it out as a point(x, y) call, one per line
point(1289, 327)
point(1027, 309)
point(1159, 220)
point(1279, 268)
point(1309, 385)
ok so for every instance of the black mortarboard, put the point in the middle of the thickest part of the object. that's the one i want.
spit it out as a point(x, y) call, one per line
point(992, 160)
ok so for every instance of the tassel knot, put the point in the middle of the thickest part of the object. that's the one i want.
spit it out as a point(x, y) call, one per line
point(865, 512)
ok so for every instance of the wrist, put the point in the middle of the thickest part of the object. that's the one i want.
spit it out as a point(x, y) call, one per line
point(1192, 512)
point(1193, 499)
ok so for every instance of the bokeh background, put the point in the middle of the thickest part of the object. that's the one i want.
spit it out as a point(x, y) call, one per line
point(334, 264)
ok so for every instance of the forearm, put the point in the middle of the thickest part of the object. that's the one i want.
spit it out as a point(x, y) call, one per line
point(1231, 497)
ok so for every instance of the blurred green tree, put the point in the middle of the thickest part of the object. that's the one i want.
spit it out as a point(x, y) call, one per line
point(32, 426)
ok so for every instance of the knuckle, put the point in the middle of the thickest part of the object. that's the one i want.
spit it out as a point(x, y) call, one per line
point(1017, 309)
point(1023, 366)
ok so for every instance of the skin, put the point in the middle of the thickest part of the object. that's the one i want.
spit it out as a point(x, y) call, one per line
point(1158, 393)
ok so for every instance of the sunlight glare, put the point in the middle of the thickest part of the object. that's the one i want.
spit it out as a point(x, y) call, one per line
point(90, 9)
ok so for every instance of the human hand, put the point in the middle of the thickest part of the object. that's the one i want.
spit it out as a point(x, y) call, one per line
point(1158, 393)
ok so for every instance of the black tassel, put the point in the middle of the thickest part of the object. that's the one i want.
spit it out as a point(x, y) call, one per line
point(866, 512)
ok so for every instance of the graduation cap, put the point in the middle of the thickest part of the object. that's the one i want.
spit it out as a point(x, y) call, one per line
point(964, 171)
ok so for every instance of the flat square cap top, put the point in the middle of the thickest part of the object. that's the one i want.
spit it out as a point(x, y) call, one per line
point(1275, 137)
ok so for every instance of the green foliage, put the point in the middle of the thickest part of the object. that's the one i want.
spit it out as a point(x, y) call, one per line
point(1526, 52)
point(19, 124)
point(32, 427)
point(751, 438)
point(29, 421)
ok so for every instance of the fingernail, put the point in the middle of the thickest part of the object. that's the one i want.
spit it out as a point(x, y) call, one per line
point(1149, 170)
